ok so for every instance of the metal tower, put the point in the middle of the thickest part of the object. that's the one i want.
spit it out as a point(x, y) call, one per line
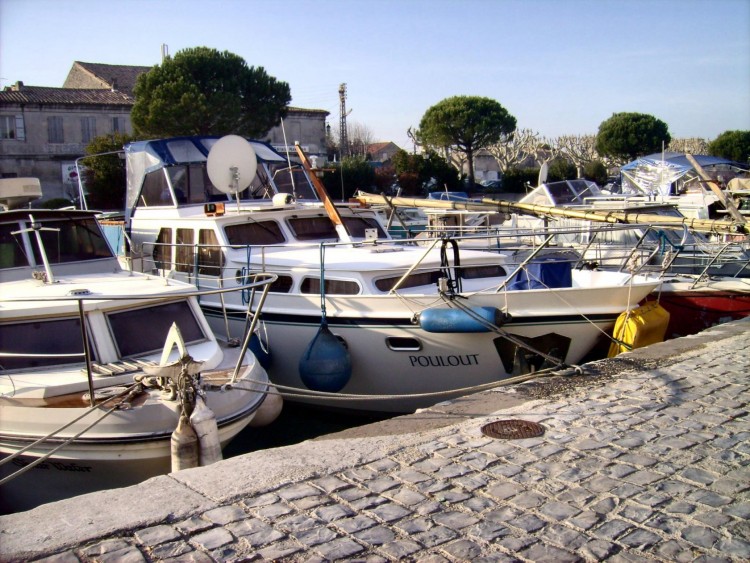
point(343, 138)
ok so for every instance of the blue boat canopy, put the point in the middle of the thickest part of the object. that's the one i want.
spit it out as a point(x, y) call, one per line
point(168, 172)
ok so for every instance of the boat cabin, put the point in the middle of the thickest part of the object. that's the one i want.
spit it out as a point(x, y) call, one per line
point(172, 172)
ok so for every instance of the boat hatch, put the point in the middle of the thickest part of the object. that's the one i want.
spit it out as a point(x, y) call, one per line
point(119, 368)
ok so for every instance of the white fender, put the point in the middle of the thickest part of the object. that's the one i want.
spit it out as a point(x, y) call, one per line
point(184, 446)
point(269, 409)
point(203, 421)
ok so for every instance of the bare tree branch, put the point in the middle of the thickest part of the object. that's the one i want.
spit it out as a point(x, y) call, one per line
point(515, 148)
point(692, 145)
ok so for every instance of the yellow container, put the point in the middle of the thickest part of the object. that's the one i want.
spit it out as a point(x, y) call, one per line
point(639, 327)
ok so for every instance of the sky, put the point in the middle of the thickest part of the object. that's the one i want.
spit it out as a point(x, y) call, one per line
point(560, 67)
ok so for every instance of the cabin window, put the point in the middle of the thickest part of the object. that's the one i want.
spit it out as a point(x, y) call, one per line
point(313, 228)
point(69, 241)
point(283, 284)
point(256, 233)
point(356, 226)
point(163, 249)
point(478, 272)
point(301, 187)
point(210, 256)
point(11, 248)
point(41, 343)
point(155, 190)
point(260, 187)
point(184, 245)
point(414, 280)
point(191, 184)
point(144, 330)
point(431, 278)
point(333, 287)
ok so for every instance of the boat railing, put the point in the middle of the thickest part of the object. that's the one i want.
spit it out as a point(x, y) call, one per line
point(258, 281)
point(633, 248)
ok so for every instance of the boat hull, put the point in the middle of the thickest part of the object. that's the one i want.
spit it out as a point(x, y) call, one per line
point(126, 448)
point(399, 366)
point(694, 310)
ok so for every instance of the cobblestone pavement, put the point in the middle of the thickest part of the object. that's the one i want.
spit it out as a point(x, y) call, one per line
point(649, 460)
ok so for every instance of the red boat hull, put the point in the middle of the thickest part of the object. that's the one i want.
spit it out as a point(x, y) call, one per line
point(692, 311)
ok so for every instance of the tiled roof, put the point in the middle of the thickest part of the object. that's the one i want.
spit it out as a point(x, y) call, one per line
point(45, 95)
point(295, 109)
point(377, 147)
point(119, 77)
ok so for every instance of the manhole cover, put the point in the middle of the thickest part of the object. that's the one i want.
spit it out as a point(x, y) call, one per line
point(512, 429)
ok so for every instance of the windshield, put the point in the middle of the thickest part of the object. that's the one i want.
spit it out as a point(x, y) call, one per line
point(64, 240)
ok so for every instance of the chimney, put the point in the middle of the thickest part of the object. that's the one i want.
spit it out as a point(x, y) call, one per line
point(114, 84)
point(18, 86)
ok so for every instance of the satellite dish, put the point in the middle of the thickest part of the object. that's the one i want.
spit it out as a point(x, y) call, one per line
point(231, 164)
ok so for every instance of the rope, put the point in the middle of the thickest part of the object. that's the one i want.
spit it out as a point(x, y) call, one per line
point(310, 394)
point(322, 284)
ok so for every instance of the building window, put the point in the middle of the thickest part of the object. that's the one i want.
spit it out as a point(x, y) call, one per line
point(116, 125)
point(88, 129)
point(11, 127)
point(55, 129)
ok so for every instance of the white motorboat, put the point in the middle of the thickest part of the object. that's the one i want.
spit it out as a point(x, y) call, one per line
point(355, 320)
point(705, 282)
point(98, 365)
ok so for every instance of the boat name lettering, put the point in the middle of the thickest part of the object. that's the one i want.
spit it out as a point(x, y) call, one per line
point(54, 465)
point(445, 361)
point(70, 467)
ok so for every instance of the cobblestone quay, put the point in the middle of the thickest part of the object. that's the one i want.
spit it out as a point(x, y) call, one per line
point(644, 458)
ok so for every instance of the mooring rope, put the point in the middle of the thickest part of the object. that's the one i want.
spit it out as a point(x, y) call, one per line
point(297, 392)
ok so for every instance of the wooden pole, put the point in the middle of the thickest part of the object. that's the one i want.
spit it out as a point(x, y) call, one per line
point(320, 189)
point(632, 217)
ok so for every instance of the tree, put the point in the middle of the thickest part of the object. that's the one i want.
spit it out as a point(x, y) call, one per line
point(692, 145)
point(410, 172)
point(515, 148)
point(415, 171)
point(625, 136)
point(348, 177)
point(732, 145)
point(360, 137)
point(465, 124)
point(202, 91)
point(579, 149)
point(595, 171)
point(105, 175)
point(437, 168)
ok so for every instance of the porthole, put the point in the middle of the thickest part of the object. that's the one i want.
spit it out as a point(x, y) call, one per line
point(403, 344)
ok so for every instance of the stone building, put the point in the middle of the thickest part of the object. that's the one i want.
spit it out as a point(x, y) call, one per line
point(382, 152)
point(43, 130)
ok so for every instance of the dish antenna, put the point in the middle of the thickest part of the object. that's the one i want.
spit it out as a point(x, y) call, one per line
point(231, 165)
